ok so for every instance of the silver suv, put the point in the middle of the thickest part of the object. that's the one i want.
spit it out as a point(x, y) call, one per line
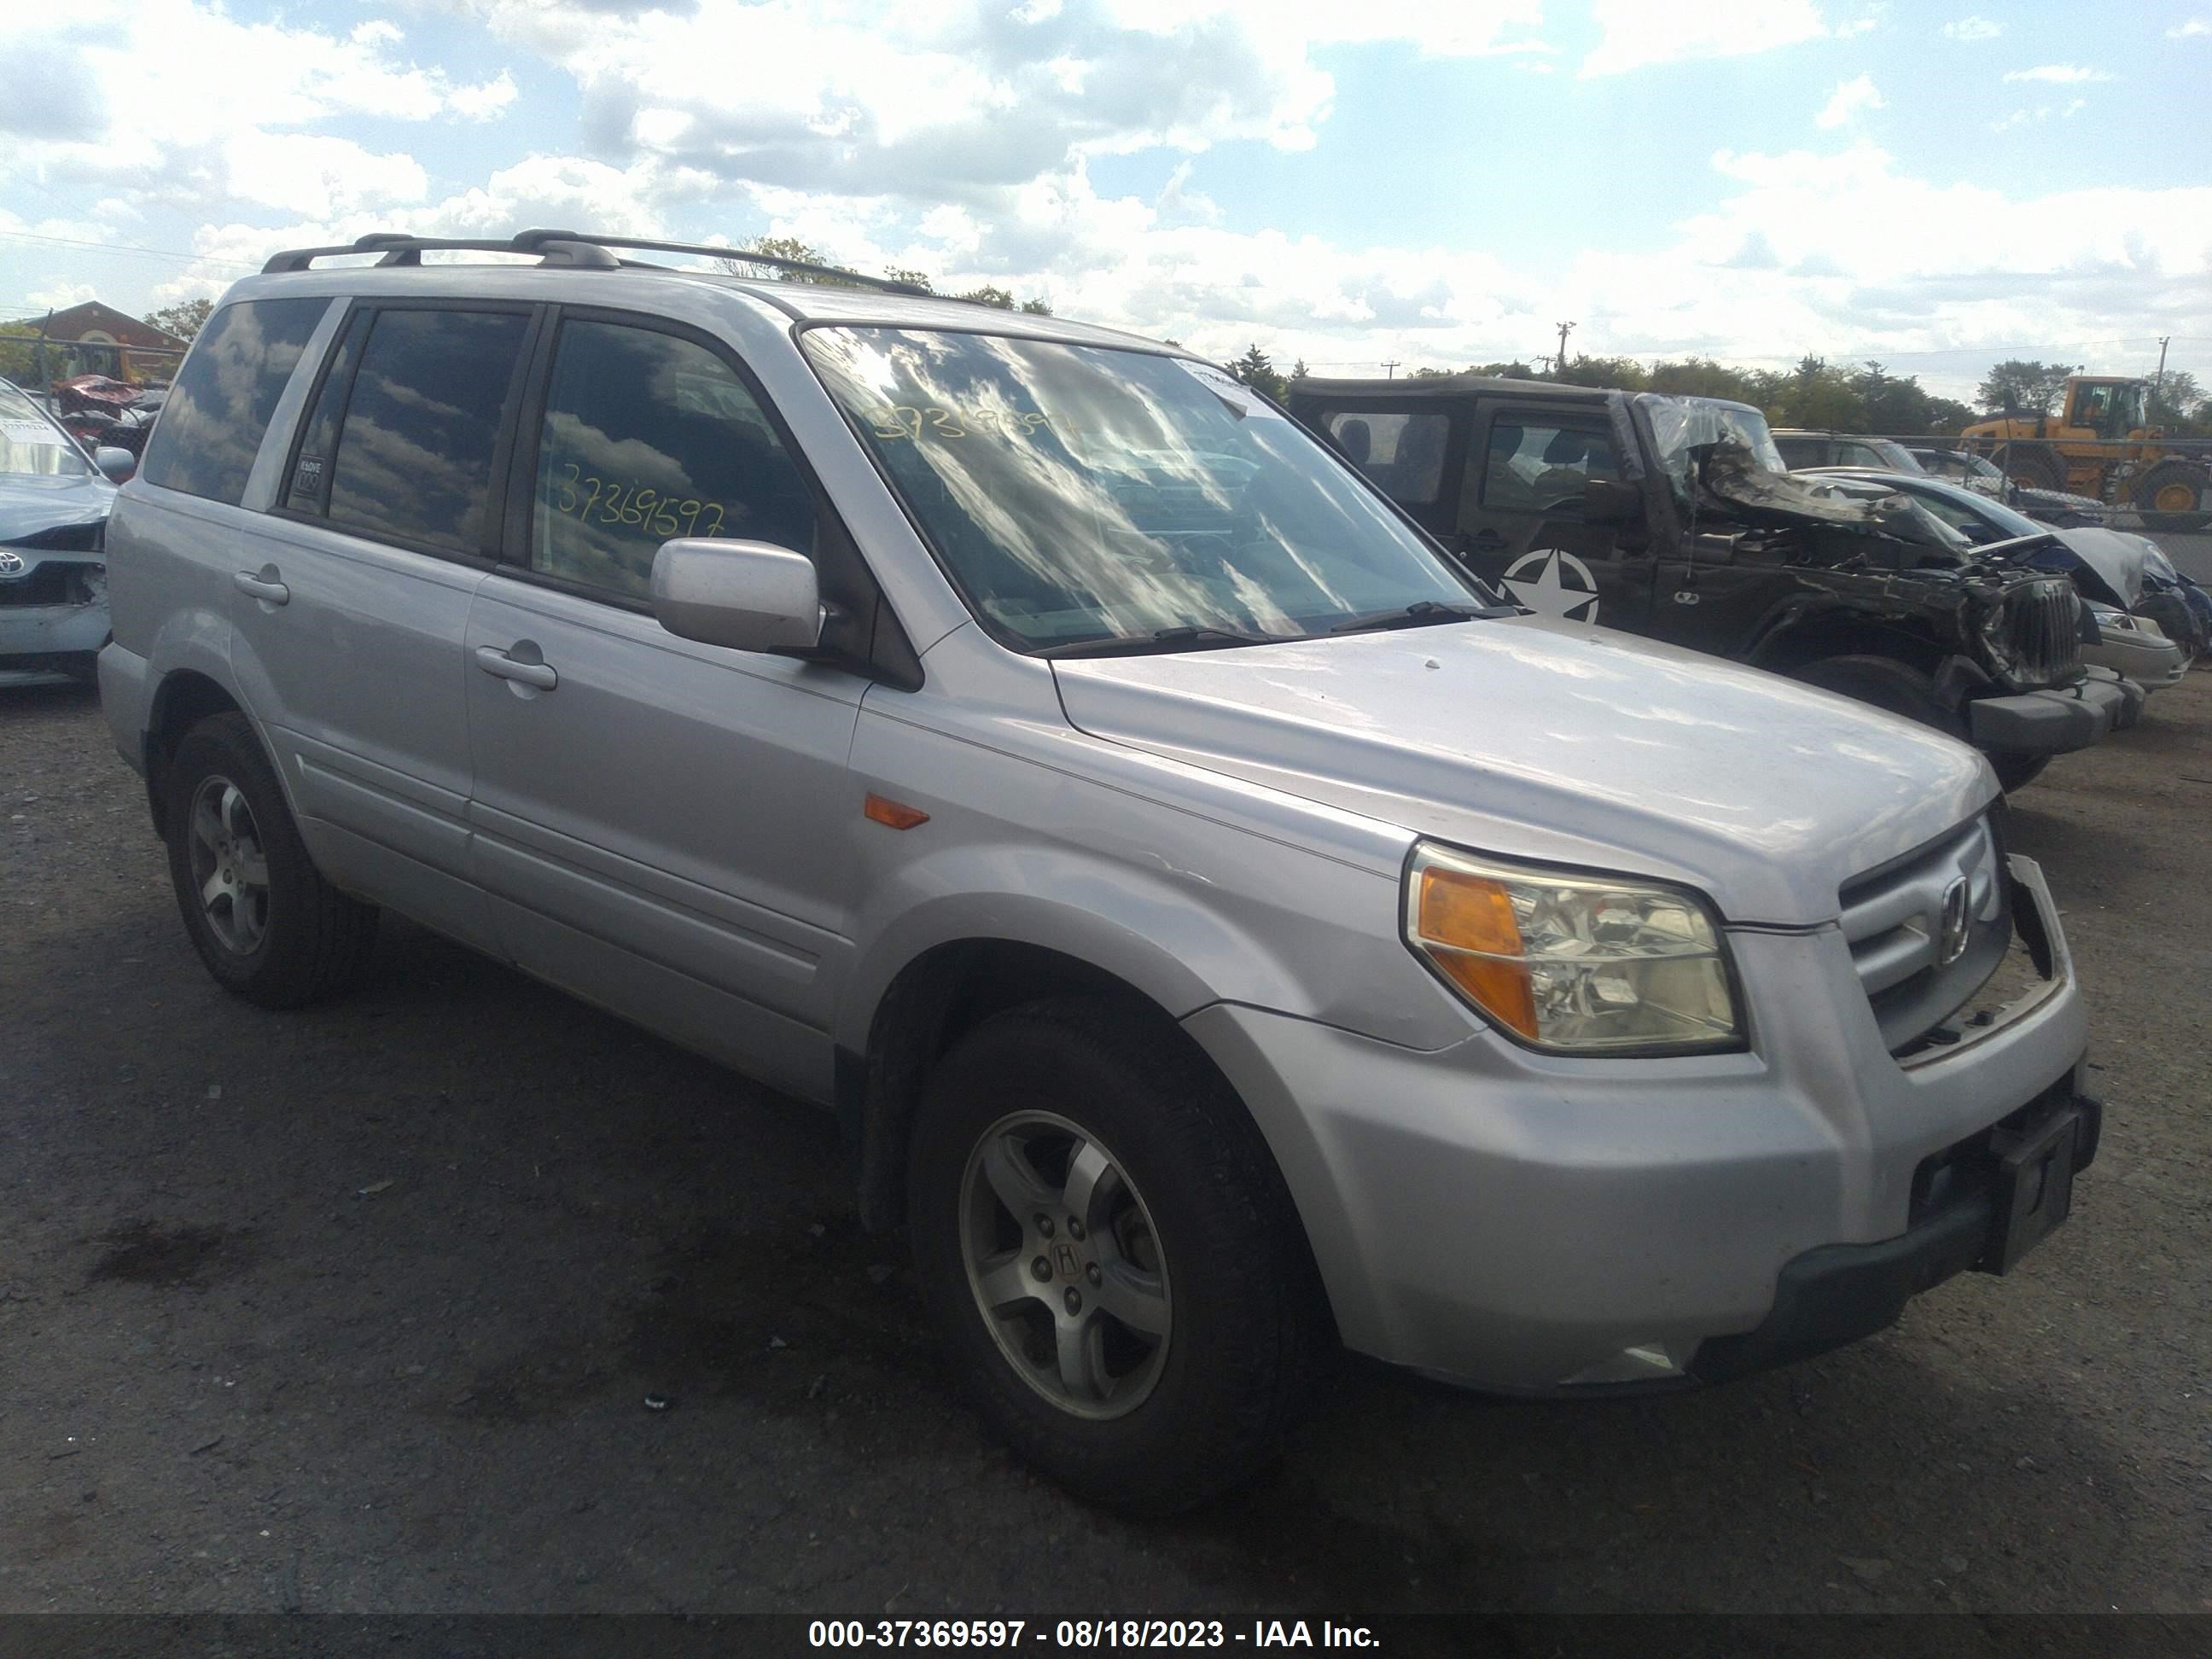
point(1224, 929)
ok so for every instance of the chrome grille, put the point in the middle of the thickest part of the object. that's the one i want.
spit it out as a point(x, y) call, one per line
point(2043, 626)
point(1892, 919)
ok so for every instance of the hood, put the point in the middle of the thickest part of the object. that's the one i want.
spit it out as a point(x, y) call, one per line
point(1568, 744)
point(32, 504)
point(2116, 560)
point(1732, 473)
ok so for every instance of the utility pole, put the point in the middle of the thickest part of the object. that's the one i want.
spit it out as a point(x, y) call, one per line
point(2158, 381)
point(1565, 329)
point(1390, 368)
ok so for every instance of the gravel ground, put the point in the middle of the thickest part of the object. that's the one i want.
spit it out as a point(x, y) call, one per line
point(358, 1308)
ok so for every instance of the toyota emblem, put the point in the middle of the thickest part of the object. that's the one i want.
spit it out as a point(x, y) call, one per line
point(11, 564)
point(1951, 941)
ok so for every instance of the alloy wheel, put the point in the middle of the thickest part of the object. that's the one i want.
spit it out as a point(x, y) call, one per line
point(1065, 1264)
point(229, 866)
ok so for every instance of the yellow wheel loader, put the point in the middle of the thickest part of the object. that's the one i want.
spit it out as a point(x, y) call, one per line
point(2101, 446)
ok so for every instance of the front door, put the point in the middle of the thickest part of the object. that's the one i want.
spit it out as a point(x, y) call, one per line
point(664, 827)
point(1520, 515)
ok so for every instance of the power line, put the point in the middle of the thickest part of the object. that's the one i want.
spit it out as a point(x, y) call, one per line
point(125, 247)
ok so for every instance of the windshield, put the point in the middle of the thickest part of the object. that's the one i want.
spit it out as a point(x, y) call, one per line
point(1076, 494)
point(1681, 425)
point(30, 443)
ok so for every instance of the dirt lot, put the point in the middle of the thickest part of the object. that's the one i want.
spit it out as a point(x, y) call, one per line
point(359, 1308)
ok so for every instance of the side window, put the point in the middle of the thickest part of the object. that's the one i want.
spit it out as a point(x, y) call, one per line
point(1402, 453)
point(1803, 452)
point(648, 437)
point(217, 412)
point(1860, 455)
point(414, 454)
point(1539, 464)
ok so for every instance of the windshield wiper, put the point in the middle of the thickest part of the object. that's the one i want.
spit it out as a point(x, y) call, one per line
point(1162, 641)
point(1422, 613)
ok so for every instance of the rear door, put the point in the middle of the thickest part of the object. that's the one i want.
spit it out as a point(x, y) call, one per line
point(350, 614)
point(1520, 513)
point(662, 826)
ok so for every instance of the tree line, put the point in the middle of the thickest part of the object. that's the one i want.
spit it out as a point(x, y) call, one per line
point(1824, 396)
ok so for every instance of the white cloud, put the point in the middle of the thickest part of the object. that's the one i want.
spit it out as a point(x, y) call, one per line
point(311, 173)
point(58, 294)
point(1639, 33)
point(2193, 28)
point(483, 102)
point(942, 101)
point(2061, 74)
point(173, 101)
point(1972, 28)
point(1847, 100)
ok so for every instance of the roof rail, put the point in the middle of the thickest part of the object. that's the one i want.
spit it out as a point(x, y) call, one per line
point(531, 240)
point(568, 247)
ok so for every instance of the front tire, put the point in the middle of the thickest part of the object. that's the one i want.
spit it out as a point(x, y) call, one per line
point(264, 922)
point(1118, 1277)
point(1888, 684)
point(2170, 497)
point(2017, 771)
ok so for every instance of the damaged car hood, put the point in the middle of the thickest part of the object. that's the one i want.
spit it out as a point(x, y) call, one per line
point(1731, 474)
point(1766, 794)
point(40, 509)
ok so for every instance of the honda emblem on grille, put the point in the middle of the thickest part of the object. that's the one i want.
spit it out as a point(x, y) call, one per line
point(1951, 941)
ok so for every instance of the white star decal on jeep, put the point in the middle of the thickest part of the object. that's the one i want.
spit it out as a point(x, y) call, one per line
point(1546, 593)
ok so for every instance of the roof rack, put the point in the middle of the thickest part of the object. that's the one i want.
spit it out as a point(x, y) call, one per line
point(573, 248)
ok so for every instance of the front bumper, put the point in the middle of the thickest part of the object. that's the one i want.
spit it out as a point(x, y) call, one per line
point(1840, 1293)
point(2054, 722)
point(2151, 660)
point(1522, 1222)
point(36, 635)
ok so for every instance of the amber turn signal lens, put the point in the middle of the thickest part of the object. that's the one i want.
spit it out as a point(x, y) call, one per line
point(897, 814)
point(1468, 913)
point(1459, 914)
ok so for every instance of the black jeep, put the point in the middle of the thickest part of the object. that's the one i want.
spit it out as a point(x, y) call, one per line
point(1675, 518)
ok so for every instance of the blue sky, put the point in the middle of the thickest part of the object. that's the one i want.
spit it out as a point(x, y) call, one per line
point(1929, 184)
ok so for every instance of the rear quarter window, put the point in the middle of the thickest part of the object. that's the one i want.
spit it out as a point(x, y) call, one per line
point(218, 411)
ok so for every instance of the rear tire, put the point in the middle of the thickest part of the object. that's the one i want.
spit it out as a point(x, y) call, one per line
point(2172, 479)
point(1190, 1233)
point(264, 922)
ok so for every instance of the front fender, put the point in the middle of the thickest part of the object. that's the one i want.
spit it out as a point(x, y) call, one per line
point(1170, 934)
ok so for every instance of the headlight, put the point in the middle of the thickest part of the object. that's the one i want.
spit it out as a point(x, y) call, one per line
point(1577, 964)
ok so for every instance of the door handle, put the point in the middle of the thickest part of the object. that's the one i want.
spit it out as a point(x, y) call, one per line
point(498, 664)
point(261, 585)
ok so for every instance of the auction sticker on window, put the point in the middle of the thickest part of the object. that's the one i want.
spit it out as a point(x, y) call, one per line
point(32, 432)
point(1231, 390)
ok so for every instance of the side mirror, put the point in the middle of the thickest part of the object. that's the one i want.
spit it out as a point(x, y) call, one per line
point(116, 464)
point(748, 596)
point(1610, 501)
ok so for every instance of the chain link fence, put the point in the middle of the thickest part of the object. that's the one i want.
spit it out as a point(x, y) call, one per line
point(2148, 484)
